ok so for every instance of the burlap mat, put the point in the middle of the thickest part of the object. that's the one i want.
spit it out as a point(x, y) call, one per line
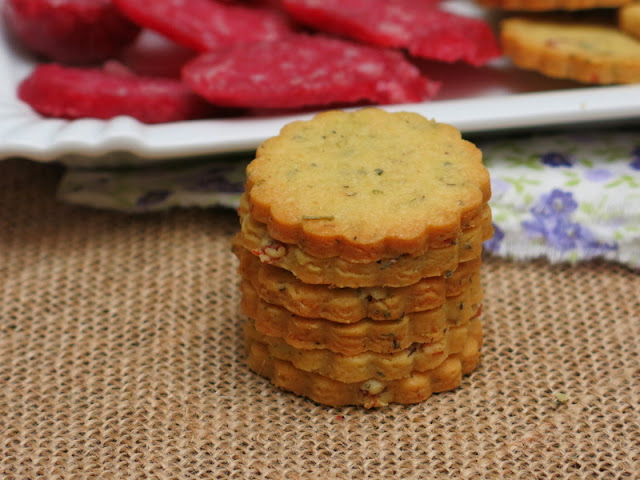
point(121, 358)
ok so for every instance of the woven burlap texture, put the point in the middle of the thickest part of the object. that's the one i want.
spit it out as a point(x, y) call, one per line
point(121, 358)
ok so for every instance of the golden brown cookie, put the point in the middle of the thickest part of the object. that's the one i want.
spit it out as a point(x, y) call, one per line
point(398, 271)
point(383, 336)
point(629, 19)
point(346, 305)
point(418, 357)
point(366, 185)
point(370, 393)
point(585, 52)
point(456, 308)
point(355, 338)
point(548, 5)
point(473, 219)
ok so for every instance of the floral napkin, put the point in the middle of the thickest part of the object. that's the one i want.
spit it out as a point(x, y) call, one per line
point(567, 197)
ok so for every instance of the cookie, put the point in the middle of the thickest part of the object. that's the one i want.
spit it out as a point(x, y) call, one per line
point(585, 52)
point(360, 247)
point(456, 308)
point(355, 338)
point(371, 393)
point(548, 5)
point(629, 19)
point(471, 220)
point(418, 357)
point(346, 305)
point(366, 185)
point(382, 336)
point(398, 271)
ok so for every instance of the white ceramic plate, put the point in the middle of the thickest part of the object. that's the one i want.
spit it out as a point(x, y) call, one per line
point(493, 98)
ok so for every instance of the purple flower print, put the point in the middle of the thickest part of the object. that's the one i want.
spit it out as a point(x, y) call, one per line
point(635, 158)
point(567, 235)
point(551, 222)
point(598, 175)
point(537, 227)
point(556, 159)
point(557, 204)
point(493, 244)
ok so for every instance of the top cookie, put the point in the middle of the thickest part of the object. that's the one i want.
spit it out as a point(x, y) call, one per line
point(367, 184)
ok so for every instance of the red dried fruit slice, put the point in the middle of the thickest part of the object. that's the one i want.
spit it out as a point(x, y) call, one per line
point(206, 24)
point(70, 31)
point(304, 71)
point(423, 28)
point(68, 92)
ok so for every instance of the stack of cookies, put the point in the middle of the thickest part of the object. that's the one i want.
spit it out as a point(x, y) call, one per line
point(359, 256)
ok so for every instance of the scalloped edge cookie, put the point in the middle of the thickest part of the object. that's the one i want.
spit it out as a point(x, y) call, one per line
point(346, 305)
point(418, 357)
point(371, 393)
point(367, 184)
point(585, 52)
point(629, 19)
point(549, 5)
point(398, 271)
point(382, 336)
